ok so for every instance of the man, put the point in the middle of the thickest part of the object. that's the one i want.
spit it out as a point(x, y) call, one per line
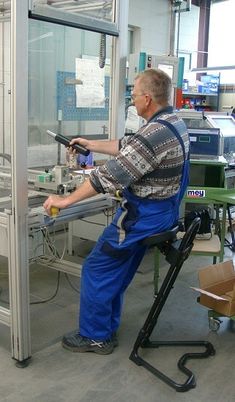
point(150, 169)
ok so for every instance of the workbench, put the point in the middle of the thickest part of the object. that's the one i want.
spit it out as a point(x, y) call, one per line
point(37, 221)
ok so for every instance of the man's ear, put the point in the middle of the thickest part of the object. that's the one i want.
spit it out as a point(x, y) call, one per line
point(148, 99)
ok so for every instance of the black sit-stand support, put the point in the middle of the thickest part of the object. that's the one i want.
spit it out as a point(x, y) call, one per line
point(230, 244)
point(176, 252)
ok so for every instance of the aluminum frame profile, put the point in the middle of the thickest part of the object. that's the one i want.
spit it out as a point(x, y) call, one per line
point(82, 5)
point(59, 16)
point(5, 314)
point(118, 63)
point(15, 220)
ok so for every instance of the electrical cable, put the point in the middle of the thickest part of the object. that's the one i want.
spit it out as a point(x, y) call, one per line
point(102, 51)
point(53, 296)
point(45, 259)
point(70, 283)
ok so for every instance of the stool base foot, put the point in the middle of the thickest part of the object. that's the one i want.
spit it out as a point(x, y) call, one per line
point(190, 382)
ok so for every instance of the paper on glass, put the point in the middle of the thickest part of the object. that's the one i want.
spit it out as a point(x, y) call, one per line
point(90, 93)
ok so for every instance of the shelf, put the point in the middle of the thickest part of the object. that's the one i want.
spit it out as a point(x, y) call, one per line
point(198, 94)
point(200, 101)
point(212, 245)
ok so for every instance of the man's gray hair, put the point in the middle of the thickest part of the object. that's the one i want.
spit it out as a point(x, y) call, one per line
point(156, 83)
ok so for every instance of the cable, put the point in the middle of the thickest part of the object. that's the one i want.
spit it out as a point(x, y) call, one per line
point(112, 210)
point(53, 296)
point(102, 52)
point(70, 283)
point(45, 259)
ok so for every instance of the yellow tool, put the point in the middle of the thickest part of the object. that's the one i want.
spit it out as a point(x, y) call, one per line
point(54, 212)
point(118, 195)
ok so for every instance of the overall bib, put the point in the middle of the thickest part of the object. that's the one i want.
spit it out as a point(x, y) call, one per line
point(113, 262)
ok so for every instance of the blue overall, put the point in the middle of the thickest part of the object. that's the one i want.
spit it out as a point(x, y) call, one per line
point(113, 262)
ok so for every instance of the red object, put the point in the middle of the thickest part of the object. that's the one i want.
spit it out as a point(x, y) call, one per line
point(178, 98)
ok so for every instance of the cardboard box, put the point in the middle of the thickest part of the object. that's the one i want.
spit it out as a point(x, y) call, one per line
point(217, 288)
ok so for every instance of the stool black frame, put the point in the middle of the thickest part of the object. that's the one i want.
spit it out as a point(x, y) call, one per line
point(230, 244)
point(176, 252)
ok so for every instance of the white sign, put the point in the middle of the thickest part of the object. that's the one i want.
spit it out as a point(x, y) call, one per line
point(196, 193)
point(90, 93)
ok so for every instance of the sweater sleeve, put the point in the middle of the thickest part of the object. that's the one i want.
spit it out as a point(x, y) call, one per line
point(135, 159)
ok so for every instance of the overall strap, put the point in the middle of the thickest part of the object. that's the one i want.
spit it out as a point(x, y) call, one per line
point(185, 172)
point(173, 129)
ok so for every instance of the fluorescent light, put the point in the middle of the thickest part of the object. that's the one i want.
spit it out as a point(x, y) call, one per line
point(46, 35)
point(217, 68)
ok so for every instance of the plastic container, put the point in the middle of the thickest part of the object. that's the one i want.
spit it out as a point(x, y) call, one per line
point(185, 85)
point(85, 160)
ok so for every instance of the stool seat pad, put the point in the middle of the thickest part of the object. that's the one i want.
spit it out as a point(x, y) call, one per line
point(161, 237)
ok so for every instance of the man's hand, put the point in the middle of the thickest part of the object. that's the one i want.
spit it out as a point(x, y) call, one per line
point(81, 193)
point(54, 201)
point(80, 141)
point(110, 147)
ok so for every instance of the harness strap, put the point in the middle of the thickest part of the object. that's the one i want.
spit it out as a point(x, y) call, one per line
point(173, 129)
point(185, 170)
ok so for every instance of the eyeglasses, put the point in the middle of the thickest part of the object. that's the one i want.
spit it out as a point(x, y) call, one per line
point(133, 96)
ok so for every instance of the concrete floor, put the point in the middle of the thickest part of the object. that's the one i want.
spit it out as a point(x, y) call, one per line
point(57, 375)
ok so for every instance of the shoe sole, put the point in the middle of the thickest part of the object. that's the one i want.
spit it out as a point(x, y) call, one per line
point(85, 349)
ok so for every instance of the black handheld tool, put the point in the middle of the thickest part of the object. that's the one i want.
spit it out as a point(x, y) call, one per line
point(65, 141)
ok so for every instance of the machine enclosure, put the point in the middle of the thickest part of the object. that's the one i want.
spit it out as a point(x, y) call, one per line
point(211, 135)
point(210, 143)
point(205, 142)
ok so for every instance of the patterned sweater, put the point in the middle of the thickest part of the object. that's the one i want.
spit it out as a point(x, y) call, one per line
point(149, 163)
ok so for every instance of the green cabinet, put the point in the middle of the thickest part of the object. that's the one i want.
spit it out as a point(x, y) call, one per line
point(207, 180)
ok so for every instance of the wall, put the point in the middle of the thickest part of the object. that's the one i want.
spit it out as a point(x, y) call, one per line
point(227, 98)
point(188, 36)
point(152, 17)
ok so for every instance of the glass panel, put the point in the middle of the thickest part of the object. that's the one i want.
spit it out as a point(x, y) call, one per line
point(196, 123)
point(101, 10)
point(5, 146)
point(68, 89)
point(5, 116)
point(226, 125)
